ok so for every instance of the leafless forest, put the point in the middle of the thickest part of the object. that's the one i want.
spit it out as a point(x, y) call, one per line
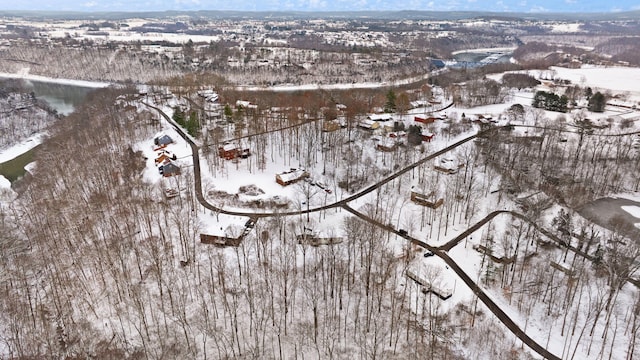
point(97, 265)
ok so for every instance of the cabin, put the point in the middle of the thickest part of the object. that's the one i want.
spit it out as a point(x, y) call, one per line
point(168, 169)
point(380, 117)
point(228, 151)
point(429, 200)
point(164, 156)
point(208, 95)
point(418, 103)
point(330, 126)
point(442, 292)
point(397, 134)
point(291, 176)
point(368, 124)
point(483, 119)
point(162, 140)
point(426, 136)
point(387, 145)
point(497, 259)
point(243, 104)
point(231, 151)
point(425, 119)
point(170, 192)
point(221, 240)
point(448, 165)
point(314, 240)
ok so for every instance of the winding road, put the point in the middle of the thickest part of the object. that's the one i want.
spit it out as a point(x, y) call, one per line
point(441, 251)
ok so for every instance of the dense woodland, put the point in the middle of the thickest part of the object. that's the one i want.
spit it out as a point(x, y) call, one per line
point(102, 278)
point(97, 265)
point(22, 114)
point(130, 270)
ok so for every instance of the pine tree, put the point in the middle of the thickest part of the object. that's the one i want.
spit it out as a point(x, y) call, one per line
point(390, 105)
point(597, 102)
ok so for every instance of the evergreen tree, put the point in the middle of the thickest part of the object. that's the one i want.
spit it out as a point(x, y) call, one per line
point(178, 115)
point(597, 102)
point(550, 101)
point(228, 112)
point(588, 92)
point(390, 105)
point(414, 135)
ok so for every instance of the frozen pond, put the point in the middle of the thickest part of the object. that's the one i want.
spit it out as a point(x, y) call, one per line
point(621, 211)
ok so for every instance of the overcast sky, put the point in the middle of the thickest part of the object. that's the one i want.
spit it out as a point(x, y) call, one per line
point(326, 5)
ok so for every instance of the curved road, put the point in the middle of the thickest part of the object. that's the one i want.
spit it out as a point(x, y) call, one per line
point(439, 251)
point(482, 296)
point(344, 201)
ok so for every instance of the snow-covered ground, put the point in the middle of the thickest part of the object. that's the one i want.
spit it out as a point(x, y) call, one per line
point(399, 213)
point(615, 79)
point(24, 74)
point(21, 148)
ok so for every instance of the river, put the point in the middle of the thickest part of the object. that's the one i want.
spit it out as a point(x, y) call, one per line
point(63, 98)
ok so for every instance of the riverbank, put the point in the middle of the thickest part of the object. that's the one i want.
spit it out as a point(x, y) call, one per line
point(14, 159)
point(71, 82)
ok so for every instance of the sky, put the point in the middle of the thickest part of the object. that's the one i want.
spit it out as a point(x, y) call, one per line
point(529, 6)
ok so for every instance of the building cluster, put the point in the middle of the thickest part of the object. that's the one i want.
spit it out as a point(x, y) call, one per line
point(165, 161)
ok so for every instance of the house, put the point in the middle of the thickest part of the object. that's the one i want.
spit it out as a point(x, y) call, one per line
point(489, 252)
point(380, 117)
point(389, 126)
point(245, 104)
point(209, 95)
point(387, 145)
point(228, 151)
point(163, 156)
point(425, 119)
point(170, 192)
point(397, 134)
point(330, 125)
point(443, 292)
point(448, 165)
point(368, 124)
point(232, 151)
point(314, 240)
point(418, 103)
point(428, 200)
point(162, 140)
point(291, 176)
point(168, 169)
point(220, 240)
point(426, 136)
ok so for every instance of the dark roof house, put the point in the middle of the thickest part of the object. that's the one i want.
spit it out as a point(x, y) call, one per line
point(163, 139)
point(169, 169)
